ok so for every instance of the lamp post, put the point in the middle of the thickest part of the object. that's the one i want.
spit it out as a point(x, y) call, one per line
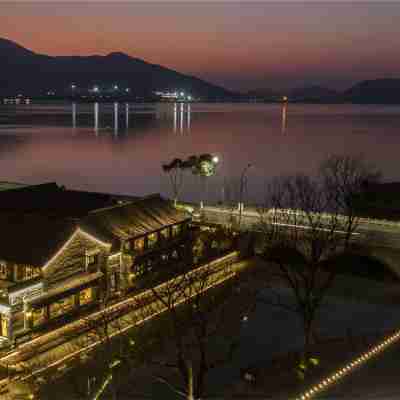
point(242, 182)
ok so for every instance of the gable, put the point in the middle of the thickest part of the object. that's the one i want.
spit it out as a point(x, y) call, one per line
point(71, 257)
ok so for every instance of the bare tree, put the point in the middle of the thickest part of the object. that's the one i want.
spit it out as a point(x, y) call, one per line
point(345, 179)
point(203, 310)
point(175, 170)
point(300, 237)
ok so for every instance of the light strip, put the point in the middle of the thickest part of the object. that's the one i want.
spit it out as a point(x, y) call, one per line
point(66, 244)
point(118, 332)
point(115, 307)
point(349, 367)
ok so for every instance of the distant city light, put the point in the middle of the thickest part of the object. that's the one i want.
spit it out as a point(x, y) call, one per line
point(189, 98)
point(95, 89)
point(73, 86)
point(182, 93)
point(115, 87)
point(127, 90)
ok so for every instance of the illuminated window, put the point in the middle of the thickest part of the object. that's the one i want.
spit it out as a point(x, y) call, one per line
point(92, 259)
point(38, 316)
point(164, 233)
point(176, 230)
point(85, 296)
point(152, 240)
point(30, 272)
point(62, 306)
point(139, 269)
point(4, 326)
point(139, 244)
point(3, 270)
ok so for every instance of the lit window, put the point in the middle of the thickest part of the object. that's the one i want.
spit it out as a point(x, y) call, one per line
point(30, 272)
point(176, 230)
point(164, 233)
point(92, 260)
point(3, 270)
point(38, 316)
point(152, 240)
point(85, 296)
point(4, 326)
point(139, 244)
point(62, 306)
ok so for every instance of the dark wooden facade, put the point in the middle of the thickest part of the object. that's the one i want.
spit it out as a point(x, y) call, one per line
point(93, 259)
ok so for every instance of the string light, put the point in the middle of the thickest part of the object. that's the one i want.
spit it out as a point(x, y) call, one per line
point(338, 374)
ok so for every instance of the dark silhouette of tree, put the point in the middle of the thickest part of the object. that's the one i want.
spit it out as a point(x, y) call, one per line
point(203, 332)
point(300, 237)
point(175, 170)
point(345, 179)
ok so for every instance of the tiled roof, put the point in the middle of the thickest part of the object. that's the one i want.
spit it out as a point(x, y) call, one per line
point(32, 239)
point(149, 214)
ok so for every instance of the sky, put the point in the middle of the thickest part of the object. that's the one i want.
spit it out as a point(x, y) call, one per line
point(241, 45)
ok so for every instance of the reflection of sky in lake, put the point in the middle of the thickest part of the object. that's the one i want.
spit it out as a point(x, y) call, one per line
point(102, 154)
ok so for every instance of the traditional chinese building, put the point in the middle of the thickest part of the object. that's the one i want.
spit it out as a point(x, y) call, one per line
point(55, 265)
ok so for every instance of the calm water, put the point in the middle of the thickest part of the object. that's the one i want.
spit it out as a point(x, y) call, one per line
point(90, 149)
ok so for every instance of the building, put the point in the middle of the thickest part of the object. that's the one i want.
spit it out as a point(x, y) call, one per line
point(55, 263)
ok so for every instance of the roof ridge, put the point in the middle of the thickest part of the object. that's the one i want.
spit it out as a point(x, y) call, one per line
point(124, 203)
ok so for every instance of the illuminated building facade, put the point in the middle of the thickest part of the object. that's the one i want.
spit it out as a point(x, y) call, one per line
point(56, 267)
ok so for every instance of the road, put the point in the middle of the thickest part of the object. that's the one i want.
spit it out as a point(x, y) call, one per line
point(54, 349)
point(380, 233)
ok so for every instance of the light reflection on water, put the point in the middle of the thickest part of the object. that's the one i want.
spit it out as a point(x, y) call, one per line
point(120, 148)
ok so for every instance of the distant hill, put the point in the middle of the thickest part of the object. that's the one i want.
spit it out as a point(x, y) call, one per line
point(384, 91)
point(313, 93)
point(264, 94)
point(23, 71)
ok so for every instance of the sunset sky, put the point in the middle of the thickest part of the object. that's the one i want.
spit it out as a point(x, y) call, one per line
point(241, 45)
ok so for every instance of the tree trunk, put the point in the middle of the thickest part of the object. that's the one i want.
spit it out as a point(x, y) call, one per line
point(190, 383)
point(308, 338)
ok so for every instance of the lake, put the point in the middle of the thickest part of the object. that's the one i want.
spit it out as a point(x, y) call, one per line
point(86, 147)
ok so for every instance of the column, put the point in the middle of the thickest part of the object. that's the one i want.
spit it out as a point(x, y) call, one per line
point(96, 118)
point(115, 119)
point(74, 115)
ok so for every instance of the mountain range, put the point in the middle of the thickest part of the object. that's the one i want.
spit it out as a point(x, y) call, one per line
point(23, 71)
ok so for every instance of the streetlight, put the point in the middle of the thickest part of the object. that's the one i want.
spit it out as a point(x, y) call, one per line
point(242, 182)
